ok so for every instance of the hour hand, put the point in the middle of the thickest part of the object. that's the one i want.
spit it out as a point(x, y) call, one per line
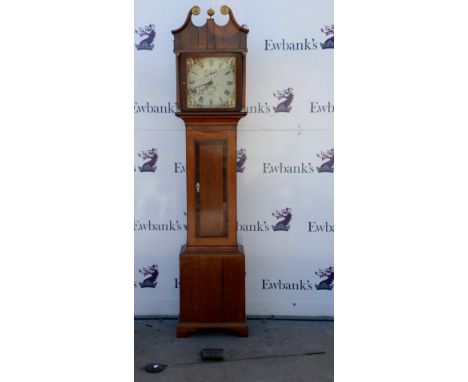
point(205, 85)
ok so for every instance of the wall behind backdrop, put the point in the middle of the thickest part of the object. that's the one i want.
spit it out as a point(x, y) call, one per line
point(285, 156)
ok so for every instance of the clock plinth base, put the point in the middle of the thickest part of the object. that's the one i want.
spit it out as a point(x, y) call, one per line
point(212, 290)
point(184, 329)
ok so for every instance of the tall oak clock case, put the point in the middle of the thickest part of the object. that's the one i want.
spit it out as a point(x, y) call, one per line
point(210, 65)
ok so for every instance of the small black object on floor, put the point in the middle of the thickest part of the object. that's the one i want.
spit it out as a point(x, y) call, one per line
point(155, 367)
point(212, 354)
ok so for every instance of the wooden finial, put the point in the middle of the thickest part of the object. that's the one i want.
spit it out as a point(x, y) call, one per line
point(224, 10)
point(195, 10)
point(210, 12)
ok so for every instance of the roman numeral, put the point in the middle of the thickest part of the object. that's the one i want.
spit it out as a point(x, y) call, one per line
point(227, 73)
point(230, 82)
point(227, 92)
point(191, 82)
point(211, 62)
point(201, 99)
point(211, 102)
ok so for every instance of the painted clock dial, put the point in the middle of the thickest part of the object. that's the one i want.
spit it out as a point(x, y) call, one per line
point(211, 82)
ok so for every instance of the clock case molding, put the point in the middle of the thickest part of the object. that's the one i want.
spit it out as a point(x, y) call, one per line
point(212, 263)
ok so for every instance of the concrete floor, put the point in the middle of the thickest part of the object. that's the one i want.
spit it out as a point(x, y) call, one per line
point(274, 351)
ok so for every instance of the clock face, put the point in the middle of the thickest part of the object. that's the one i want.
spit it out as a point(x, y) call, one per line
point(211, 82)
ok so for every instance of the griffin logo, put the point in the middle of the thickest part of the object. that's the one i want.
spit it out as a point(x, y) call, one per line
point(149, 33)
point(328, 275)
point(241, 159)
point(329, 158)
point(329, 31)
point(286, 97)
point(152, 273)
point(284, 216)
point(152, 157)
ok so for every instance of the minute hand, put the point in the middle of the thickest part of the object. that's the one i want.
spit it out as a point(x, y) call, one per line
point(206, 84)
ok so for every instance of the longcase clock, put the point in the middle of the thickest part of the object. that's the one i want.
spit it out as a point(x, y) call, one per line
point(210, 67)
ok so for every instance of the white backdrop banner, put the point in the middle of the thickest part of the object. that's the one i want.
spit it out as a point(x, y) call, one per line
point(285, 156)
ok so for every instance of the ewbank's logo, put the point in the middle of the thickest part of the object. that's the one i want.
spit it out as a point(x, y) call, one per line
point(286, 97)
point(150, 33)
point(154, 109)
point(168, 226)
point(179, 168)
point(329, 31)
point(317, 107)
point(284, 216)
point(152, 273)
point(241, 159)
point(268, 284)
point(255, 227)
point(318, 228)
point(152, 157)
point(287, 45)
point(329, 158)
point(259, 108)
point(281, 168)
point(328, 275)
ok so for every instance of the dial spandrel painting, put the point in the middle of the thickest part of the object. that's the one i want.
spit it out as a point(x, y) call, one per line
point(211, 82)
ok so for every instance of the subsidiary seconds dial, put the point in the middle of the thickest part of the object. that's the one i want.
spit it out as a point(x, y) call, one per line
point(211, 82)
